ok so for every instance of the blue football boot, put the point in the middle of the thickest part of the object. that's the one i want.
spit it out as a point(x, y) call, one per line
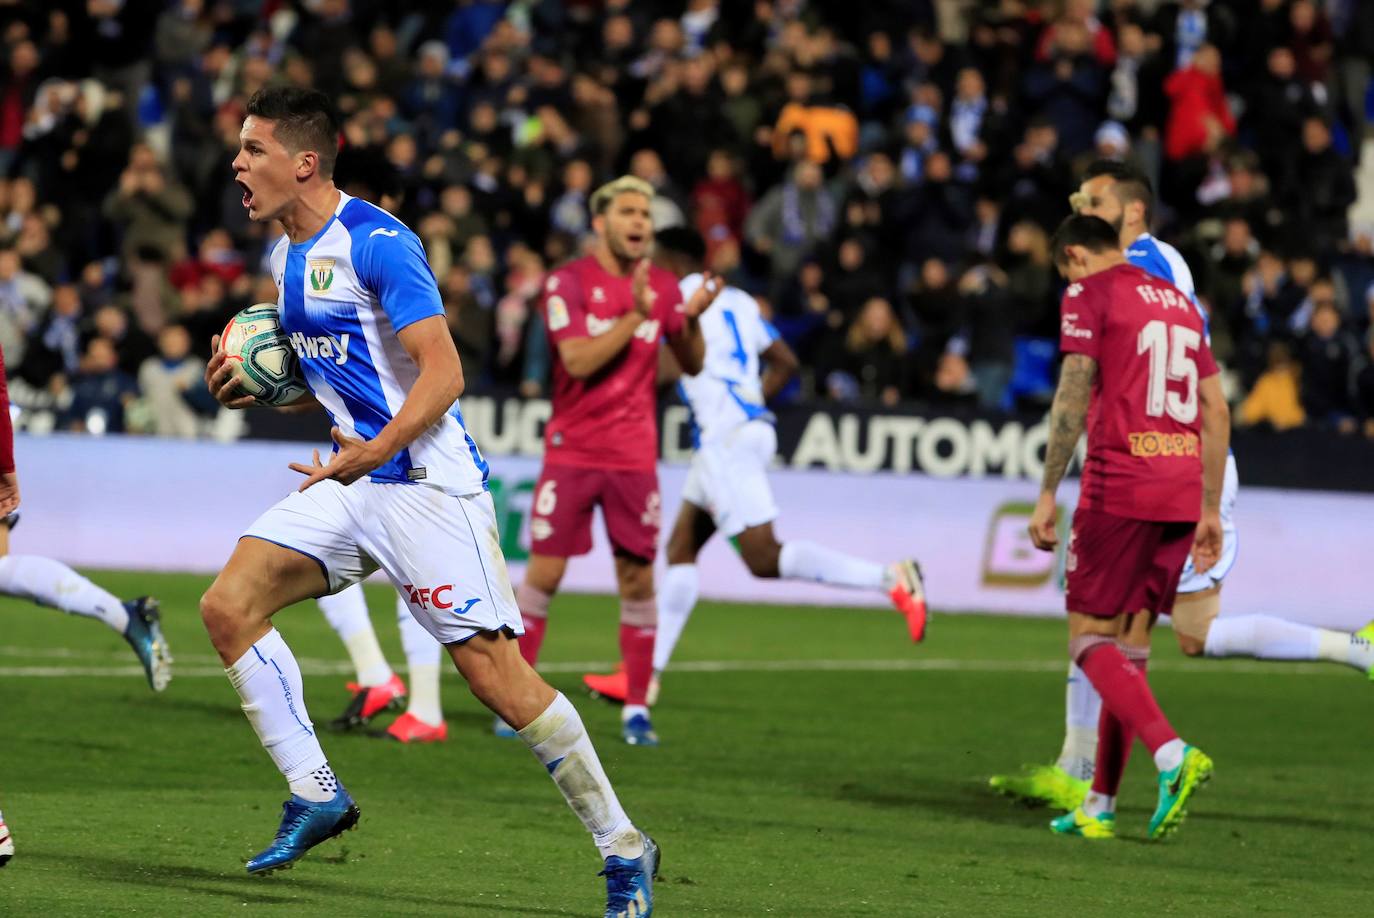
point(303, 826)
point(630, 883)
point(638, 731)
point(144, 634)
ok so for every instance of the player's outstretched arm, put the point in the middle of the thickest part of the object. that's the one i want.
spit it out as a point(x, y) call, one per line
point(781, 365)
point(438, 386)
point(9, 478)
point(1216, 443)
point(1067, 416)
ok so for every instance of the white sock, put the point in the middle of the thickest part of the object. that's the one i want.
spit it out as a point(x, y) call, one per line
point(1268, 638)
point(52, 583)
point(1350, 649)
point(269, 684)
point(1170, 755)
point(802, 560)
point(423, 654)
point(677, 596)
point(346, 613)
point(1096, 804)
point(632, 710)
point(317, 787)
point(1082, 708)
point(559, 741)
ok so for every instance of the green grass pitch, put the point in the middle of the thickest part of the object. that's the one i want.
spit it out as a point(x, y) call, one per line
point(814, 763)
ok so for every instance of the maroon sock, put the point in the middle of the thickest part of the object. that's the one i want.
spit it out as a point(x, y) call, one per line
point(637, 650)
point(1126, 693)
point(1114, 741)
point(534, 612)
point(533, 638)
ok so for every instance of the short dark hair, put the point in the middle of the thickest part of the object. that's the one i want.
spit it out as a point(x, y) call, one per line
point(1093, 233)
point(682, 241)
point(1130, 184)
point(304, 119)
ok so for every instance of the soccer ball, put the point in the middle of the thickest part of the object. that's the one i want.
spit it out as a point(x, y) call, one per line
point(260, 356)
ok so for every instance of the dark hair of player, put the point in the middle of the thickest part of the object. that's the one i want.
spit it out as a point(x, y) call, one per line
point(1129, 183)
point(1092, 233)
point(304, 119)
point(682, 242)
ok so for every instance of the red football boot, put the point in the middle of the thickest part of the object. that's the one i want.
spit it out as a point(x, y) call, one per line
point(367, 703)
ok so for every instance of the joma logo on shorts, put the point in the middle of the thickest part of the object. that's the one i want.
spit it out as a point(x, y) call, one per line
point(323, 346)
point(425, 597)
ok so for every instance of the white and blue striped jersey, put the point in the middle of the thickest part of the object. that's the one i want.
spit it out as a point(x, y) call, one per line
point(728, 391)
point(344, 294)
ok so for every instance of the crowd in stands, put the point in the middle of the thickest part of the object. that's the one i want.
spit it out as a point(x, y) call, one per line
point(882, 175)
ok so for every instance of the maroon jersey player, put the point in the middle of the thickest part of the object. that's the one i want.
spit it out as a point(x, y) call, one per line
point(1138, 368)
point(606, 314)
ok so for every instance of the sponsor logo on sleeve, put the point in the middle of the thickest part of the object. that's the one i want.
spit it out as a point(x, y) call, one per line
point(379, 231)
point(1069, 330)
point(558, 313)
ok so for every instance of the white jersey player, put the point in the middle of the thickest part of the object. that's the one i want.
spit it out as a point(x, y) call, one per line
point(727, 488)
point(404, 492)
point(1124, 198)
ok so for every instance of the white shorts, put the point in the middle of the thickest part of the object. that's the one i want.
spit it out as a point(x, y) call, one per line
point(729, 478)
point(1192, 581)
point(442, 552)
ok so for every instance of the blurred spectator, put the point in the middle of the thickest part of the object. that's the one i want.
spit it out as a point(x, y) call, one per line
point(1199, 116)
point(1068, 82)
point(720, 202)
point(216, 255)
point(173, 386)
point(830, 130)
point(131, 345)
point(1328, 361)
point(23, 298)
point(1364, 388)
point(149, 211)
point(870, 363)
point(1321, 189)
point(791, 219)
point(54, 345)
point(1274, 398)
point(100, 391)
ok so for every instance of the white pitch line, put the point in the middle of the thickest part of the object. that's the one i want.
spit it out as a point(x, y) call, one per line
point(319, 667)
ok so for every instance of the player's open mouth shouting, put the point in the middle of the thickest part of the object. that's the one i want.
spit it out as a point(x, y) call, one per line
point(247, 193)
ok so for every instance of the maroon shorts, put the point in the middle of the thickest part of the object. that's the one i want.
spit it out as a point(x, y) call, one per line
point(561, 520)
point(1117, 565)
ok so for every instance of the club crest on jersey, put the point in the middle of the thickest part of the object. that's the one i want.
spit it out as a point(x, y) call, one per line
point(598, 295)
point(321, 274)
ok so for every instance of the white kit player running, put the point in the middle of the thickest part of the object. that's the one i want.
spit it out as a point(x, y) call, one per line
point(727, 487)
point(404, 491)
point(377, 688)
point(1124, 198)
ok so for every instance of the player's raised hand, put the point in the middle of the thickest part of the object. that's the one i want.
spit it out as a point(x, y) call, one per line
point(1044, 524)
point(354, 459)
point(219, 379)
point(643, 293)
point(704, 296)
point(1207, 543)
point(9, 493)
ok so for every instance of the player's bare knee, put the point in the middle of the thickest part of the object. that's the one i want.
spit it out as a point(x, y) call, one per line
point(680, 548)
point(636, 580)
point(762, 559)
point(222, 616)
point(1190, 645)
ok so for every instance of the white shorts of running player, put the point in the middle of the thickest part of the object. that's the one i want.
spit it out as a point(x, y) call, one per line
point(729, 478)
point(442, 552)
point(1192, 581)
